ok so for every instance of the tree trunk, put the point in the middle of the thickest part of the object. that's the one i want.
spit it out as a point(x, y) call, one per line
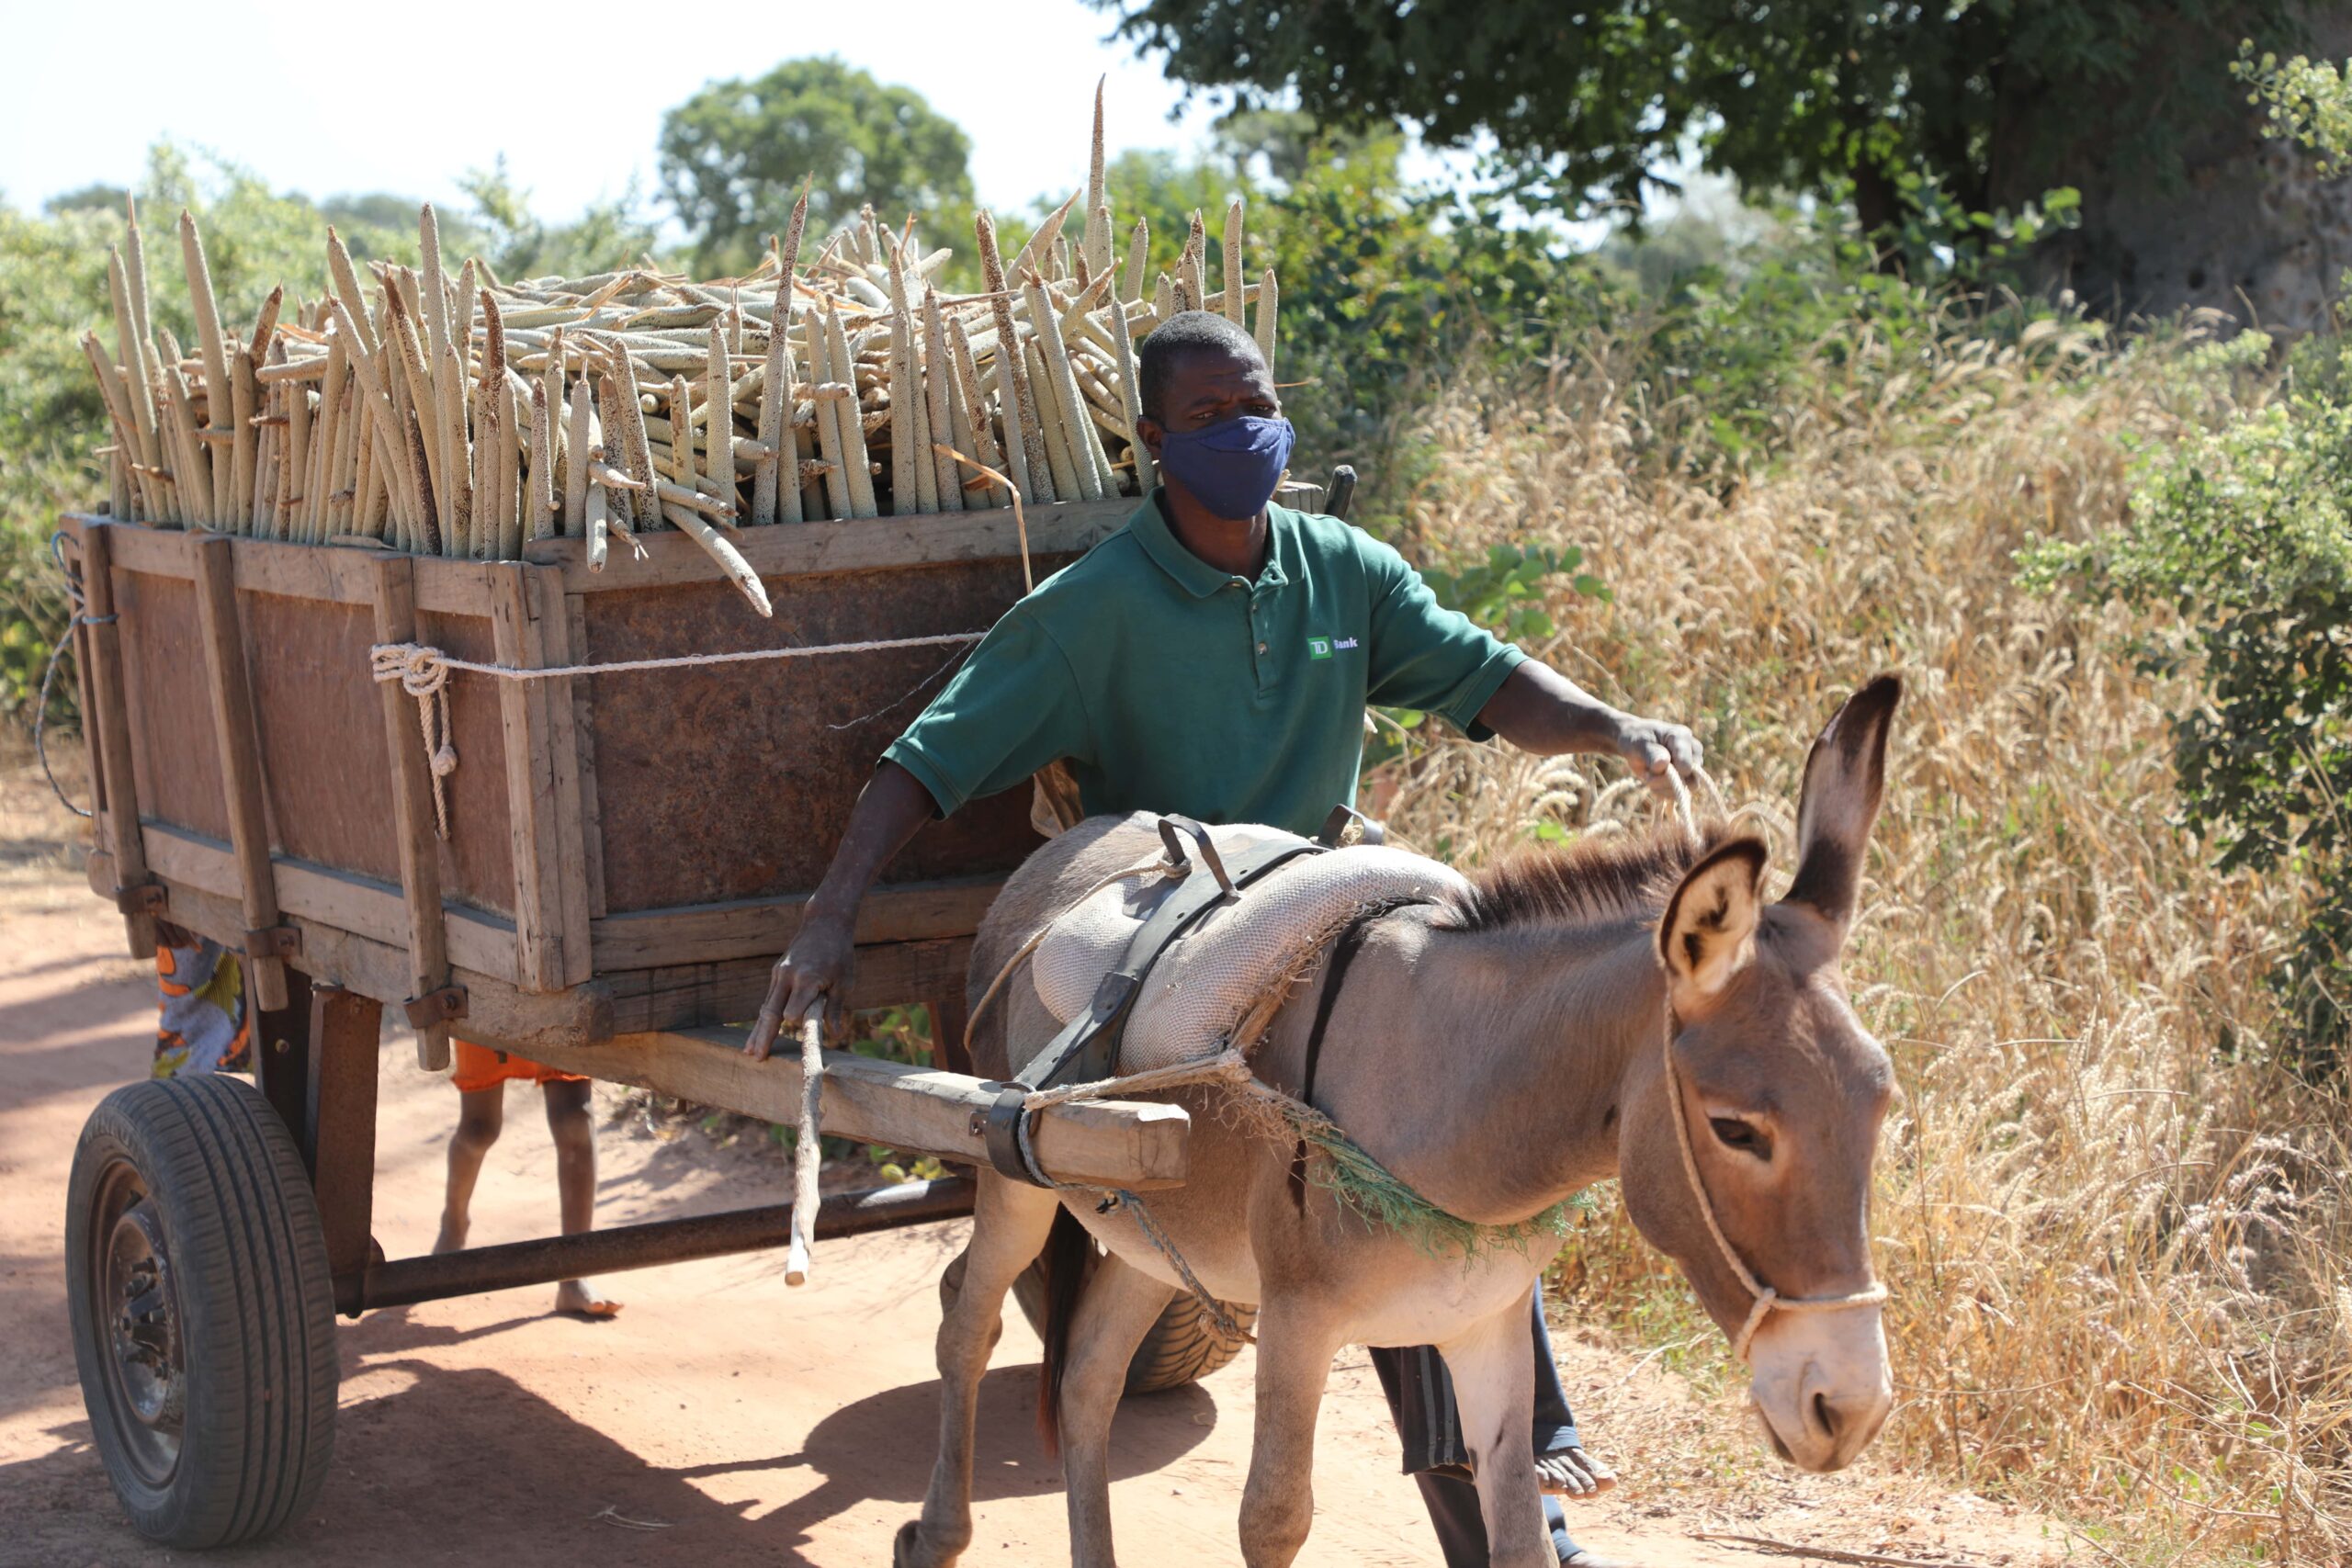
point(2247, 230)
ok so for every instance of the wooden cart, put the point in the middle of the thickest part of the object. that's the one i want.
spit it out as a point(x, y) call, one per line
point(625, 855)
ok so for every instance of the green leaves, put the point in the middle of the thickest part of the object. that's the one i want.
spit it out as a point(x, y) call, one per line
point(1505, 593)
point(2245, 532)
point(733, 156)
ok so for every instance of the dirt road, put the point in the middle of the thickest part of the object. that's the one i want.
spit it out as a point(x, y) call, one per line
point(722, 1419)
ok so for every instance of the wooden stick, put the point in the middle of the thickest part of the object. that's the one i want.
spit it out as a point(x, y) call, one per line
point(117, 805)
point(207, 311)
point(1059, 458)
point(1269, 303)
point(939, 376)
point(974, 433)
point(428, 936)
point(459, 536)
point(578, 440)
point(542, 486)
point(1029, 465)
point(854, 453)
point(239, 735)
point(1131, 395)
point(828, 420)
point(905, 494)
point(719, 421)
point(806, 1155)
point(1233, 274)
point(431, 284)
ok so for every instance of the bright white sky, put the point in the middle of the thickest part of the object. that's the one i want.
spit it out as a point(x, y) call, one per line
point(352, 96)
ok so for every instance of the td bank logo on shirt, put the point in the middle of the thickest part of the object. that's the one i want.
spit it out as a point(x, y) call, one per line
point(1324, 647)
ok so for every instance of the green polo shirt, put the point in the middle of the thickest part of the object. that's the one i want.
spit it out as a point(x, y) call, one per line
point(1169, 685)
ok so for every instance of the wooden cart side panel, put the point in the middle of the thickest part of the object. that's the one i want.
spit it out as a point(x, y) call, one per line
point(237, 735)
point(538, 851)
point(125, 861)
point(712, 995)
point(736, 781)
point(712, 933)
point(324, 752)
point(583, 742)
point(477, 857)
point(495, 1010)
point(551, 607)
point(174, 754)
point(343, 899)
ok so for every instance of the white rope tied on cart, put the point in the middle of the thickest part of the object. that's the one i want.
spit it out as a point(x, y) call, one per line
point(424, 675)
point(430, 658)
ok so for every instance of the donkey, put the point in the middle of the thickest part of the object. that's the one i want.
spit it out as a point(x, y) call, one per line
point(1624, 1007)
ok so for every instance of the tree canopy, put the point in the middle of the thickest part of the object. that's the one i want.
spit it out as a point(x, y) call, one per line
point(1910, 111)
point(733, 156)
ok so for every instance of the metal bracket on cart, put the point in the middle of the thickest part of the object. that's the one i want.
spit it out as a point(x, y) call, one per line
point(142, 899)
point(273, 942)
point(443, 1006)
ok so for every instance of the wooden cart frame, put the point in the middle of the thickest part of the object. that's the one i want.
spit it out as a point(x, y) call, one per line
point(615, 880)
point(601, 883)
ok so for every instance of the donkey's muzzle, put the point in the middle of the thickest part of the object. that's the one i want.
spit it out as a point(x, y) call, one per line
point(1822, 1385)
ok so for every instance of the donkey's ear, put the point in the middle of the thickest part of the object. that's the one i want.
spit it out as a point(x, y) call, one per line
point(1708, 933)
point(1844, 777)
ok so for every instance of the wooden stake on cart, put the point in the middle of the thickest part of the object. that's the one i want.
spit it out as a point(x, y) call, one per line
point(239, 737)
point(807, 1157)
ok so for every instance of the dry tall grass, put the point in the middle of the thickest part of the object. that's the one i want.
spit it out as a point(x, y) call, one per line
point(2118, 1241)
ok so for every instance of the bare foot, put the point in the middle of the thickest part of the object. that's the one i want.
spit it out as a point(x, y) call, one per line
point(579, 1298)
point(1572, 1474)
point(452, 1237)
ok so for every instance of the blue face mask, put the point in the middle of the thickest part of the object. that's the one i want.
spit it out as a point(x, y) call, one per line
point(1231, 467)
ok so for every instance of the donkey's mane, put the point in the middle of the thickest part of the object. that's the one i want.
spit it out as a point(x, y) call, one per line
point(1597, 878)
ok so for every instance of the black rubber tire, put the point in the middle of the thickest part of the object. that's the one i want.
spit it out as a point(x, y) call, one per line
point(1183, 1347)
point(242, 1275)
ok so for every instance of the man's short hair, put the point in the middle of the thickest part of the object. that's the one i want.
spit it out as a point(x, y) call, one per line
point(1182, 335)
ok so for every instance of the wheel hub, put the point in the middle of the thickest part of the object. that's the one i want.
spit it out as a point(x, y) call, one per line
point(147, 1364)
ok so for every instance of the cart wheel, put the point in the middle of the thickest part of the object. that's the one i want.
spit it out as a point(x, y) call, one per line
point(1183, 1347)
point(203, 1313)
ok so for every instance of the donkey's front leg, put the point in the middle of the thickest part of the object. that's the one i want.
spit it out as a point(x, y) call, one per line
point(1493, 1367)
point(1119, 1307)
point(1010, 1223)
point(1295, 1344)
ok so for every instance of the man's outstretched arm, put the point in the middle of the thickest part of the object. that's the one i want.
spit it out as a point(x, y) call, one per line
point(817, 969)
point(1538, 709)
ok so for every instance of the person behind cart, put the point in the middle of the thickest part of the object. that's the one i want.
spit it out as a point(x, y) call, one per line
point(1215, 659)
point(204, 1025)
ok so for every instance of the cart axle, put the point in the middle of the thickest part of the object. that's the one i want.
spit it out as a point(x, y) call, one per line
point(436, 1276)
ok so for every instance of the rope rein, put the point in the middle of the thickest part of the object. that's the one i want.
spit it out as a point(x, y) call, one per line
point(1765, 1299)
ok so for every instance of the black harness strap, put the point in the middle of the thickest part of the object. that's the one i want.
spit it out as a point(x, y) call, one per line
point(1343, 954)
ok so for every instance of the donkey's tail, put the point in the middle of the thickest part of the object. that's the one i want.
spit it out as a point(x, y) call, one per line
point(1062, 1270)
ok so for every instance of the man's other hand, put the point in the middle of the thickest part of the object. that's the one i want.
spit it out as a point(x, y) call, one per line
point(1650, 746)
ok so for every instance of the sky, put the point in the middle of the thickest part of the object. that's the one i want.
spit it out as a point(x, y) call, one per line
point(325, 99)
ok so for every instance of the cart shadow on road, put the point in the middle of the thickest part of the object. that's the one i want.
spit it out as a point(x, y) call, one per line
point(472, 1460)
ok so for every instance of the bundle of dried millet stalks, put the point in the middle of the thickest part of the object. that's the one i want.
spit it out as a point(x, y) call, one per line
point(465, 416)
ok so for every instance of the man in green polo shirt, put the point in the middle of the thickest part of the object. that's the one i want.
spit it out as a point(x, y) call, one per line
point(1215, 658)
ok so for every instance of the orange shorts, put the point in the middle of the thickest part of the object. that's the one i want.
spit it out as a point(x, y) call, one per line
point(479, 1066)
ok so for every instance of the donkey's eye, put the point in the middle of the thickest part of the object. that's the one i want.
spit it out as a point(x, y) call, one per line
point(1745, 1136)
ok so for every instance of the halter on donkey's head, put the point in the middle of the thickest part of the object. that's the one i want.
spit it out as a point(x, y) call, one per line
point(1765, 1299)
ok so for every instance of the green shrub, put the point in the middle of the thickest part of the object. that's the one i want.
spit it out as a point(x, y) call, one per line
point(2246, 533)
